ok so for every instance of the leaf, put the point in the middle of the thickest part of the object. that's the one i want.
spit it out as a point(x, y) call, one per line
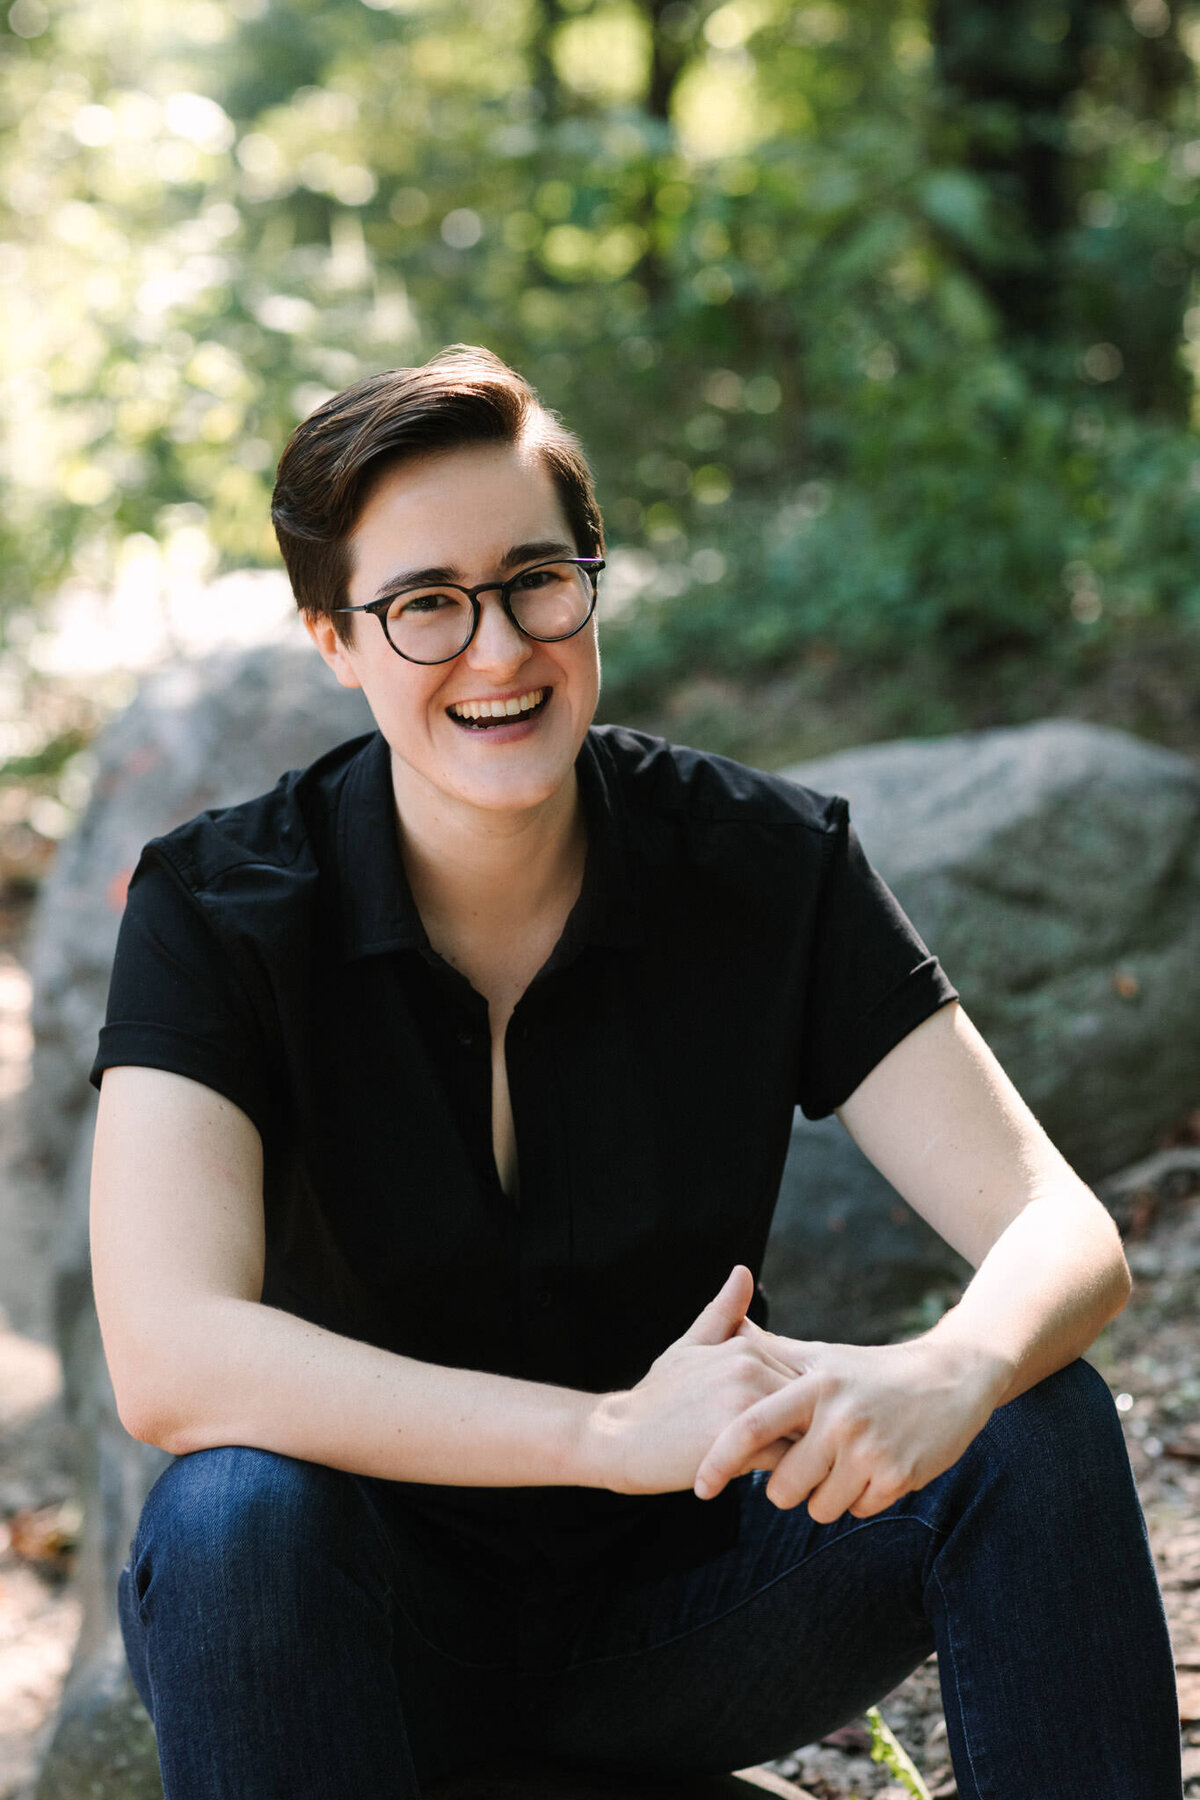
point(887, 1749)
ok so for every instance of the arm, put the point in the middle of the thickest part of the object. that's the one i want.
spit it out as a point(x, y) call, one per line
point(178, 1252)
point(940, 1119)
point(943, 1122)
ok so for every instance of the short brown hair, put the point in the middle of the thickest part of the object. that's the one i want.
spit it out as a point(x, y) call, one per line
point(464, 395)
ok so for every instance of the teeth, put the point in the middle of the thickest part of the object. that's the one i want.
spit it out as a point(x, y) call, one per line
point(497, 709)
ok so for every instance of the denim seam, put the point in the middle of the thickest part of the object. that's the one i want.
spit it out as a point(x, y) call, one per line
point(962, 1711)
point(707, 1624)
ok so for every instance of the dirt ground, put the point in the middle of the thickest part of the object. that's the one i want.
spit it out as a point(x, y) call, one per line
point(39, 1614)
point(1150, 1357)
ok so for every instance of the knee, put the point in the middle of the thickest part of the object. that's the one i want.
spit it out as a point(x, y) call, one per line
point(1064, 1429)
point(220, 1511)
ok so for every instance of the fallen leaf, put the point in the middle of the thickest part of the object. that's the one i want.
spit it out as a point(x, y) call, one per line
point(848, 1737)
point(47, 1536)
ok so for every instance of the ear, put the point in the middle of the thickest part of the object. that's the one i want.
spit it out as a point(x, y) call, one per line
point(319, 627)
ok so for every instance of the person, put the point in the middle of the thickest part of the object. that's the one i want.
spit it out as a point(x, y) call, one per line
point(445, 1092)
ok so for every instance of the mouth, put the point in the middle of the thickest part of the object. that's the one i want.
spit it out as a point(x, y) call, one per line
point(487, 715)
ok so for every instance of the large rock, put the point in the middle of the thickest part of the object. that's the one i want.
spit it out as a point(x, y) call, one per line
point(1055, 870)
point(848, 1261)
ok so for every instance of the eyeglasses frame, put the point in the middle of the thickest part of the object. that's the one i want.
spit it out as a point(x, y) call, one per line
point(591, 565)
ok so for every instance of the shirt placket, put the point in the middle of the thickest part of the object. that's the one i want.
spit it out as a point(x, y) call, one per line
point(541, 1118)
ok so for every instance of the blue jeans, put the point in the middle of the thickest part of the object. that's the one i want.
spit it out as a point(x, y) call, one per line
point(296, 1636)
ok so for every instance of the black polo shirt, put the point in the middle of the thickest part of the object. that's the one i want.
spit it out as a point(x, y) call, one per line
point(731, 955)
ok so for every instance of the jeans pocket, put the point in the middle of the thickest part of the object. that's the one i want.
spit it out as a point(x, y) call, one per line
point(133, 1584)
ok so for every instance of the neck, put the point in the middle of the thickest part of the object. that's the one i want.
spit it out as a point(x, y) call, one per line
point(473, 870)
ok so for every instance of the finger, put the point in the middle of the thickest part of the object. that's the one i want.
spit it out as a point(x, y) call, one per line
point(841, 1489)
point(795, 1354)
point(773, 1455)
point(767, 1458)
point(872, 1501)
point(805, 1471)
point(764, 1342)
point(786, 1375)
point(832, 1481)
point(786, 1413)
point(722, 1316)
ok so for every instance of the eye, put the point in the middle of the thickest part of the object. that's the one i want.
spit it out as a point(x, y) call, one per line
point(416, 605)
point(546, 576)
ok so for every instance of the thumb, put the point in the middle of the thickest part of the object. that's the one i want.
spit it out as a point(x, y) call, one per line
point(722, 1316)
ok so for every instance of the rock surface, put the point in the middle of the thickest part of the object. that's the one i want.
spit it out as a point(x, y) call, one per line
point(103, 1746)
point(1055, 870)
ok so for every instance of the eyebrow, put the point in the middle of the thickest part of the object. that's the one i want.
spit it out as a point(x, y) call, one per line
point(540, 549)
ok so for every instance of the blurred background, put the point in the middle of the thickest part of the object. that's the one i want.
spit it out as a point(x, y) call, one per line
point(880, 322)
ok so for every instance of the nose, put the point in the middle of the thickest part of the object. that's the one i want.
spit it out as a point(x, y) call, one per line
point(497, 647)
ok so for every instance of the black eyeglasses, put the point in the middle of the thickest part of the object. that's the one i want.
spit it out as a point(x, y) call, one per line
point(548, 602)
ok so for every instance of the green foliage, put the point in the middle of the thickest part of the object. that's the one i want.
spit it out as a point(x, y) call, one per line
point(974, 512)
point(757, 259)
point(887, 1749)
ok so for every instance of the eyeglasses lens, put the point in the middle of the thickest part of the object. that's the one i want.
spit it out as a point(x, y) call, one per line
point(548, 602)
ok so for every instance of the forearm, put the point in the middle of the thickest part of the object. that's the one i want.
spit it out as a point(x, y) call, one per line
point(239, 1372)
point(1052, 1280)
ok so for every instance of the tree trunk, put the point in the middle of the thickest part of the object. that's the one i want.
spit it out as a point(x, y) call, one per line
point(548, 16)
point(1007, 92)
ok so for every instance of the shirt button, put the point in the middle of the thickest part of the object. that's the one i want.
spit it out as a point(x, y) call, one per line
point(545, 1296)
point(466, 1039)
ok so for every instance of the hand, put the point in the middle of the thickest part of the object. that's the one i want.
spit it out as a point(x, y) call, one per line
point(650, 1439)
point(871, 1422)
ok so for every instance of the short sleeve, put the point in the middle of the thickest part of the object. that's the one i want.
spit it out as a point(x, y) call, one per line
point(871, 978)
point(175, 1000)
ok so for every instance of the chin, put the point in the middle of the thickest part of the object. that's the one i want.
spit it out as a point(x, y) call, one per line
point(500, 795)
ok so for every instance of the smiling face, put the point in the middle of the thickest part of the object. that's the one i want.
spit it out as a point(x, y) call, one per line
point(475, 514)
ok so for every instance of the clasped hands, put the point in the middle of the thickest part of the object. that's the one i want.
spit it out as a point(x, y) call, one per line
point(845, 1427)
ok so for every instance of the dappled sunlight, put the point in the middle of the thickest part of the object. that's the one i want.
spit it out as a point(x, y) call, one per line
point(606, 52)
point(722, 111)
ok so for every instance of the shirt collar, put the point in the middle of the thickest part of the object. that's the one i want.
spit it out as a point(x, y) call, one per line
point(377, 907)
point(378, 910)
